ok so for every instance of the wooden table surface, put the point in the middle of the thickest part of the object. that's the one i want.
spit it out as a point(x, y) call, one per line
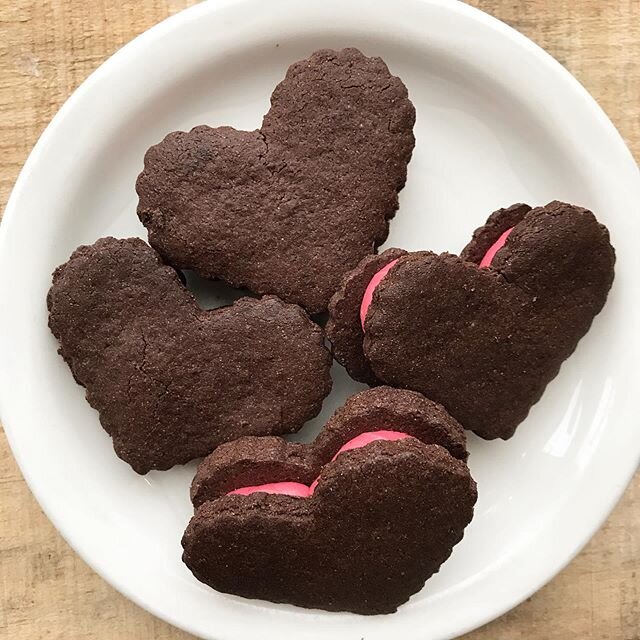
point(47, 48)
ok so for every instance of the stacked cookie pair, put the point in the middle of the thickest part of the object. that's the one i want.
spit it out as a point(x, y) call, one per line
point(294, 213)
point(485, 332)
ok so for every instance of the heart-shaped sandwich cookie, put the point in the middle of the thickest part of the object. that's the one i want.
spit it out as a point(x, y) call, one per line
point(483, 333)
point(290, 208)
point(171, 381)
point(356, 521)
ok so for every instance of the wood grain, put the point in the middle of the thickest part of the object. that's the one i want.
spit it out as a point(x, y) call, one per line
point(46, 49)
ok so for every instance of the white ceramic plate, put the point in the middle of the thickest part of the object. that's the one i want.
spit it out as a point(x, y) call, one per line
point(498, 122)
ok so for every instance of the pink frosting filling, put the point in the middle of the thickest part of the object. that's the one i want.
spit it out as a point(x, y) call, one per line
point(494, 248)
point(371, 287)
point(299, 490)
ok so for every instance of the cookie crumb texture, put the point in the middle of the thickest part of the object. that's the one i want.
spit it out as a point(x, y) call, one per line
point(290, 208)
point(171, 381)
point(381, 521)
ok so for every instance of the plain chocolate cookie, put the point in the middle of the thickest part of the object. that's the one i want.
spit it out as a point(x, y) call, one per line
point(290, 208)
point(171, 381)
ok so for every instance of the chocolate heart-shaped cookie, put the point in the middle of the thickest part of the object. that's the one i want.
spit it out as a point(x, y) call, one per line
point(484, 333)
point(290, 208)
point(356, 521)
point(171, 382)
